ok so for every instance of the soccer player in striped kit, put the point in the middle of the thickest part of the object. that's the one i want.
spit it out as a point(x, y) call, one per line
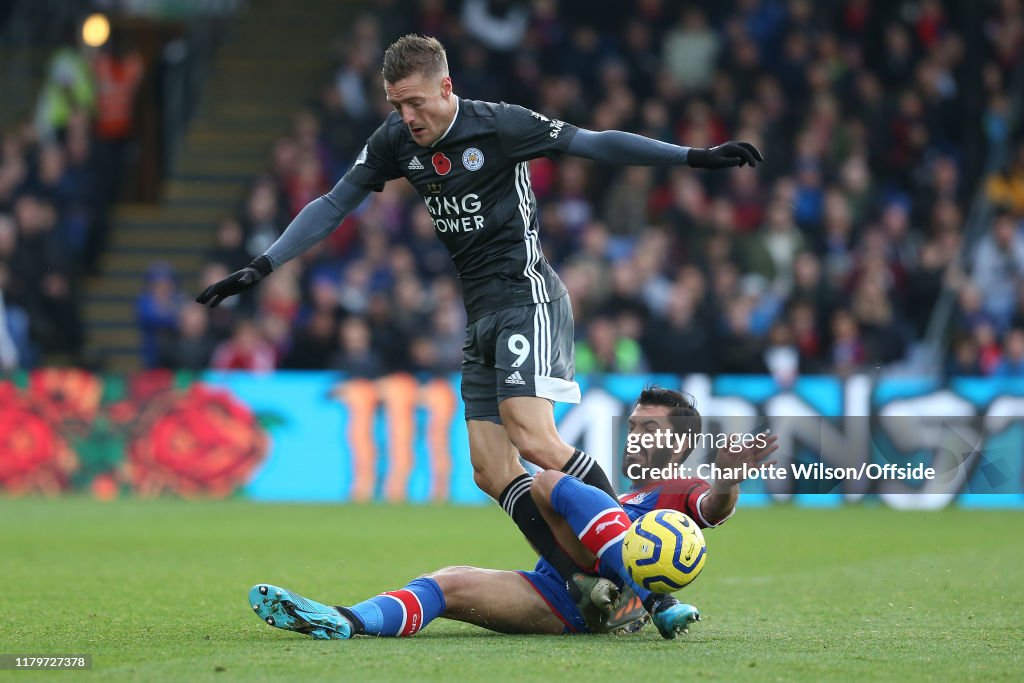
point(590, 526)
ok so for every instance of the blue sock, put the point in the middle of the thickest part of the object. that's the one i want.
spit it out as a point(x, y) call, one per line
point(599, 522)
point(402, 612)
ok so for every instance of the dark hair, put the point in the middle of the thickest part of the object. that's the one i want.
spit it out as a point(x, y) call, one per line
point(1004, 212)
point(678, 403)
point(414, 54)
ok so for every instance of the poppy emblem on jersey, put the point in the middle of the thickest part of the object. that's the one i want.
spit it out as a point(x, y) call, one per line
point(472, 159)
point(442, 164)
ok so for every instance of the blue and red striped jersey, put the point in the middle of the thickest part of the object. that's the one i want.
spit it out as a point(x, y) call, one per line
point(684, 495)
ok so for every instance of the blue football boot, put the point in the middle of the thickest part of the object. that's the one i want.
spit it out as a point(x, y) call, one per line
point(673, 617)
point(282, 608)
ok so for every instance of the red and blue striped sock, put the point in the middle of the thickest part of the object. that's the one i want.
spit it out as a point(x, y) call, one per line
point(599, 522)
point(403, 612)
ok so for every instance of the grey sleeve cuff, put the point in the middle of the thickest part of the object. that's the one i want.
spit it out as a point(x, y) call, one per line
point(317, 220)
point(618, 147)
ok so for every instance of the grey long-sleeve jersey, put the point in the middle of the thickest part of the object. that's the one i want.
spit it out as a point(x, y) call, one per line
point(475, 183)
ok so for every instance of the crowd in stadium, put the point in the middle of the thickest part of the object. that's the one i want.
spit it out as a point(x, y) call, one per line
point(829, 257)
point(59, 176)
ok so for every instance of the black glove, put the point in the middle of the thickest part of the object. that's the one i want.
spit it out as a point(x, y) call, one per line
point(725, 155)
point(237, 282)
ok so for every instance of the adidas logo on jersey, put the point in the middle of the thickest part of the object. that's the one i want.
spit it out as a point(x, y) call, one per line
point(415, 164)
point(515, 378)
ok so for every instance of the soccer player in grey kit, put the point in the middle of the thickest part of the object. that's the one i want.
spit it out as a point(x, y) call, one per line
point(469, 162)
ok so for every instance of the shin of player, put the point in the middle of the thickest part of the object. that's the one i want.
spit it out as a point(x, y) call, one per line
point(498, 472)
point(501, 601)
point(401, 612)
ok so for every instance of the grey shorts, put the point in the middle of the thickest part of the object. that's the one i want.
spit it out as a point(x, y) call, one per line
point(521, 351)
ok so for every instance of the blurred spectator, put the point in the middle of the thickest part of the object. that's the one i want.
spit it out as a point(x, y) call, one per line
point(925, 285)
point(351, 82)
point(963, 362)
point(314, 344)
point(229, 248)
point(9, 355)
point(847, 346)
point(306, 184)
point(423, 354)
point(449, 331)
point(63, 333)
point(119, 72)
point(881, 329)
point(222, 317)
point(1012, 364)
point(190, 346)
point(280, 297)
point(1006, 187)
point(747, 198)
point(604, 350)
point(276, 330)
point(40, 281)
point(356, 354)
point(772, 252)
point(990, 353)
point(262, 219)
point(625, 208)
point(781, 357)
point(341, 132)
point(156, 310)
point(998, 267)
point(68, 87)
point(809, 335)
point(810, 285)
point(245, 350)
point(16, 322)
point(681, 341)
point(739, 350)
point(690, 50)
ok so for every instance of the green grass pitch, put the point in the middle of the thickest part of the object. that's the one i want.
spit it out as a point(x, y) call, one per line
point(156, 590)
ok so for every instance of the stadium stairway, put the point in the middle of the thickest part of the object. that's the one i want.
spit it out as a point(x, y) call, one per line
point(262, 75)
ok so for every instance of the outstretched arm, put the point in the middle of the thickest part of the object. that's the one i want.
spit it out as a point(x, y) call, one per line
point(316, 221)
point(725, 490)
point(618, 147)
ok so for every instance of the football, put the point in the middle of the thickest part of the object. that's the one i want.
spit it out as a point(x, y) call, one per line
point(664, 550)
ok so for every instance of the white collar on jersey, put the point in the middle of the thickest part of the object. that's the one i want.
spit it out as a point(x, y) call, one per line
point(448, 130)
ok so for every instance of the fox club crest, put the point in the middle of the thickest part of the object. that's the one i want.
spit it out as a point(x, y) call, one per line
point(473, 159)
